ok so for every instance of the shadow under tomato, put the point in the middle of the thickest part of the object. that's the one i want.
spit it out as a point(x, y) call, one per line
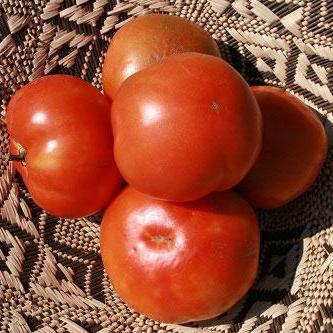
point(283, 231)
point(244, 66)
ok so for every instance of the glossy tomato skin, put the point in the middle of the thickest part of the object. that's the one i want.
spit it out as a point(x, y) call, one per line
point(178, 262)
point(294, 149)
point(147, 40)
point(62, 123)
point(185, 127)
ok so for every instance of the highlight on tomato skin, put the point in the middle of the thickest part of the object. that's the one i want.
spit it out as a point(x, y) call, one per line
point(62, 139)
point(147, 40)
point(184, 127)
point(180, 262)
point(295, 147)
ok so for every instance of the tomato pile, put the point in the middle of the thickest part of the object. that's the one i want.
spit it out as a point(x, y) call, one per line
point(197, 147)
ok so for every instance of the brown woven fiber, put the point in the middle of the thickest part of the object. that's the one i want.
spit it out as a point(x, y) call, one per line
point(51, 275)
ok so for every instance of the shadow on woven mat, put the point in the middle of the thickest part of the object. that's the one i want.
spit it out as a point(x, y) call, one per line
point(244, 66)
point(285, 232)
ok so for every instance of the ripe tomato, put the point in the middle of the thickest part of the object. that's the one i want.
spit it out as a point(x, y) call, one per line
point(185, 127)
point(294, 149)
point(147, 40)
point(178, 262)
point(60, 125)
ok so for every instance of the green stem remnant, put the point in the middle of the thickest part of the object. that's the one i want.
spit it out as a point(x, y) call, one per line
point(19, 157)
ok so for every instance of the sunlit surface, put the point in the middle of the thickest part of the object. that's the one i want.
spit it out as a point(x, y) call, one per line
point(130, 69)
point(151, 114)
point(154, 224)
point(39, 118)
point(51, 146)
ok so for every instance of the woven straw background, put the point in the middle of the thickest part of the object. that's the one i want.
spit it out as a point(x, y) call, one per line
point(51, 276)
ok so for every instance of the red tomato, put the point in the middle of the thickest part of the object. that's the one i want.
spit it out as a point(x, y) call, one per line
point(178, 262)
point(185, 127)
point(294, 149)
point(62, 125)
point(147, 40)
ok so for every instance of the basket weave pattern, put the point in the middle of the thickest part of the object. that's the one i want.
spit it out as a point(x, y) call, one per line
point(51, 275)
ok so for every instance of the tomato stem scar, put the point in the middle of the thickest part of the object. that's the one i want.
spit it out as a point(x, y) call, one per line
point(161, 239)
point(215, 106)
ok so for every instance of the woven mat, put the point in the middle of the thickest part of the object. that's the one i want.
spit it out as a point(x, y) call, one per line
point(51, 275)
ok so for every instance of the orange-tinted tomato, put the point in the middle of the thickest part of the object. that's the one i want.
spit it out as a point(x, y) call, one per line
point(178, 262)
point(185, 127)
point(63, 125)
point(294, 149)
point(147, 40)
